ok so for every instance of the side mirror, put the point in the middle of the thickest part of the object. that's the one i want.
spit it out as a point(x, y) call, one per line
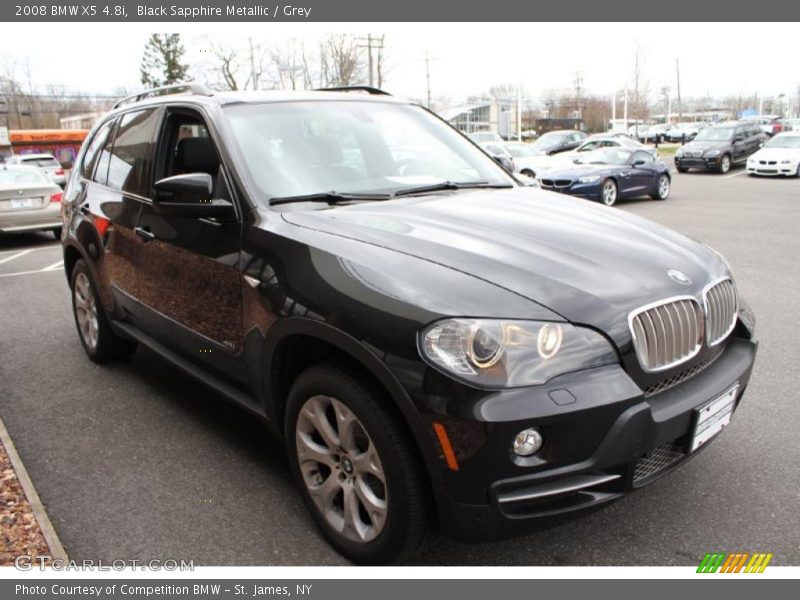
point(738, 138)
point(639, 162)
point(189, 195)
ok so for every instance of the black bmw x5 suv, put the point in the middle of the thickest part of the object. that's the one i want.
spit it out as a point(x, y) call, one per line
point(438, 346)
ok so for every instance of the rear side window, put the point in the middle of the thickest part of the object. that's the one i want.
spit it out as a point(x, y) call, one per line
point(93, 150)
point(131, 164)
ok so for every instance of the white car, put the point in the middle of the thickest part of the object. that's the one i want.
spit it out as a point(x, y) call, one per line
point(46, 162)
point(481, 137)
point(29, 200)
point(779, 156)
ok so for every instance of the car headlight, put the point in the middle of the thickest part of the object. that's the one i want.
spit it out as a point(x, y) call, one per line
point(589, 179)
point(711, 153)
point(495, 353)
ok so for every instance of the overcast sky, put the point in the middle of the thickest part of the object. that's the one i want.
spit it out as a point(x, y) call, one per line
point(715, 59)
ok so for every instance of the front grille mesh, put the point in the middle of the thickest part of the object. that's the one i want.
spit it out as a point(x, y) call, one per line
point(669, 382)
point(721, 311)
point(668, 333)
point(657, 460)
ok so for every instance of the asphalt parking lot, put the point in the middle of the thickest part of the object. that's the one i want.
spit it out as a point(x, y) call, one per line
point(137, 461)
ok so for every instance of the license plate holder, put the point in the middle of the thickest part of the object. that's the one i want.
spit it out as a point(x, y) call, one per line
point(22, 203)
point(713, 417)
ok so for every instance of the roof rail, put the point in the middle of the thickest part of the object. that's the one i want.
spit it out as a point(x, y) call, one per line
point(190, 87)
point(355, 88)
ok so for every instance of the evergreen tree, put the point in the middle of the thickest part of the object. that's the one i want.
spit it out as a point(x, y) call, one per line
point(161, 62)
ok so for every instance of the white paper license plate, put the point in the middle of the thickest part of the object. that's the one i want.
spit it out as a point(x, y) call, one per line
point(713, 417)
point(22, 203)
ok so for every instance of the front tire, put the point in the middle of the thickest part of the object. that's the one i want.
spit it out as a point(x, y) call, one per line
point(724, 164)
point(528, 173)
point(98, 339)
point(57, 233)
point(356, 466)
point(682, 169)
point(662, 187)
point(609, 192)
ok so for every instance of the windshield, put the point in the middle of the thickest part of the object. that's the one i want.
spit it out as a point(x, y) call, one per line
point(784, 141)
point(41, 162)
point(606, 156)
point(11, 176)
point(305, 148)
point(482, 136)
point(549, 139)
point(520, 150)
point(715, 134)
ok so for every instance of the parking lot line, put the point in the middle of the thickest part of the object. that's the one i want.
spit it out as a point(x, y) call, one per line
point(13, 256)
point(54, 266)
point(734, 175)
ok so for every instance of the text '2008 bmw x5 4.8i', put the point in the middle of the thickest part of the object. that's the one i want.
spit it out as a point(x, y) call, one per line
point(437, 345)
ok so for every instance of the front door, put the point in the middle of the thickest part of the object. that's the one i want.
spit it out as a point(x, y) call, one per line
point(189, 279)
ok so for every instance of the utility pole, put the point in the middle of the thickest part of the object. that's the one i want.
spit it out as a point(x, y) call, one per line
point(678, 73)
point(428, 75)
point(519, 112)
point(369, 43)
point(253, 75)
point(578, 89)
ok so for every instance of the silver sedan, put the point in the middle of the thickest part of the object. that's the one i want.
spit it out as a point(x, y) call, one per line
point(29, 200)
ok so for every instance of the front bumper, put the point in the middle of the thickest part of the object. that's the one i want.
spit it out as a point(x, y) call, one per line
point(708, 163)
point(612, 439)
point(772, 168)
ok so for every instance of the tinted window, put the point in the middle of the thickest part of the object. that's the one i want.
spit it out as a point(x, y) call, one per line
point(131, 163)
point(641, 155)
point(92, 150)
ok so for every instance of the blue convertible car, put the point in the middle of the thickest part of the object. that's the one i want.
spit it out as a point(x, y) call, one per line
point(610, 174)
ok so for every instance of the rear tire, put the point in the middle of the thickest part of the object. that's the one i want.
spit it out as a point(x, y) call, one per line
point(356, 466)
point(98, 339)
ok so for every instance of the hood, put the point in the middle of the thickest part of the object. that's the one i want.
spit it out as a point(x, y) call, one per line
point(579, 170)
point(776, 154)
point(695, 145)
point(588, 263)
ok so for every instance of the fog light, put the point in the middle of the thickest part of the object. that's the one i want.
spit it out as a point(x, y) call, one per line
point(527, 442)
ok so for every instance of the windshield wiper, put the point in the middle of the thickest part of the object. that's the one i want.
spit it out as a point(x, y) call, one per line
point(450, 185)
point(332, 197)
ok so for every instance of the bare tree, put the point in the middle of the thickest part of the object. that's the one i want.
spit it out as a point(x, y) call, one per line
point(381, 56)
point(340, 60)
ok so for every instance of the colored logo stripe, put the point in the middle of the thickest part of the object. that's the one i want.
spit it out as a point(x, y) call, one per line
point(734, 562)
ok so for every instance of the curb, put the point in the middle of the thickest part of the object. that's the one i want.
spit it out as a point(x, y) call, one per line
point(57, 551)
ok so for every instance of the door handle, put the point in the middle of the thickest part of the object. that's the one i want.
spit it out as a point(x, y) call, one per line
point(145, 233)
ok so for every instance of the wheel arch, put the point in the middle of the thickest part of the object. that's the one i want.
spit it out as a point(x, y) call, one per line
point(296, 343)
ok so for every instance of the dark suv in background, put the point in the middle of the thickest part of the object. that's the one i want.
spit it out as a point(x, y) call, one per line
point(719, 147)
point(438, 346)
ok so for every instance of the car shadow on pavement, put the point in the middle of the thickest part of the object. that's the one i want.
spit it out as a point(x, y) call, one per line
point(24, 241)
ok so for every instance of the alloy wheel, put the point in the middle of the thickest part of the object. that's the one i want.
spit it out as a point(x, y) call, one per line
point(341, 468)
point(663, 187)
point(86, 310)
point(609, 192)
point(725, 164)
